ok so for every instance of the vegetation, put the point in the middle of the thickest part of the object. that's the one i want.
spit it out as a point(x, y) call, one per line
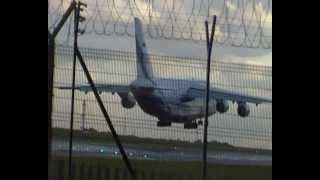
point(114, 169)
point(93, 136)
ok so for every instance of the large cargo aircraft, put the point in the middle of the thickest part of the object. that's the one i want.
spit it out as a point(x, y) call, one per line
point(171, 100)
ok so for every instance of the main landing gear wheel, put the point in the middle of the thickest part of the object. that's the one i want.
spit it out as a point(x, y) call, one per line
point(190, 125)
point(163, 124)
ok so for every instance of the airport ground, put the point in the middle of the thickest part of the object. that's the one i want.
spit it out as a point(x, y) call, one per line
point(97, 157)
point(114, 169)
point(141, 152)
point(91, 136)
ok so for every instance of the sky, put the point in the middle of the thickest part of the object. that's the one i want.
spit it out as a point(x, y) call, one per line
point(185, 48)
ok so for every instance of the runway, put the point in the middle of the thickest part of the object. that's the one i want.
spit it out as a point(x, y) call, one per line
point(61, 147)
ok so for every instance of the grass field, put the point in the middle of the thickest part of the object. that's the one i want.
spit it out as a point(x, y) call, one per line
point(90, 168)
point(93, 137)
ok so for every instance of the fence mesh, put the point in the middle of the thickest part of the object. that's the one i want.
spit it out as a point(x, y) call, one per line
point(116, 67)
point(232, 139)
point(163, 152)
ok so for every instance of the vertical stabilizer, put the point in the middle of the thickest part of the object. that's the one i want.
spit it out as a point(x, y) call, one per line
point(144, 67)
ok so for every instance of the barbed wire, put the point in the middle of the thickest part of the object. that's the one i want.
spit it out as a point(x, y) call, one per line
point(240, 23)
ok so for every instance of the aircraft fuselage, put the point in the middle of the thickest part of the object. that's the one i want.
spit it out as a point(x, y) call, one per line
point(165, 99)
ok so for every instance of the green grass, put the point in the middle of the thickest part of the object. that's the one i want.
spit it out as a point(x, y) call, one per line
point(113, 169)
point(94, 137)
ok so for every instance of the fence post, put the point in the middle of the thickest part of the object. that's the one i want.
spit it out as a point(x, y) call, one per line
point(205, 135)
point(51, 53)
point(74, 65)
point(51, 48)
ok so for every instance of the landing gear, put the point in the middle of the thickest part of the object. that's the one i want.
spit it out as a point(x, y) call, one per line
point(163, 123)
point(190, 125)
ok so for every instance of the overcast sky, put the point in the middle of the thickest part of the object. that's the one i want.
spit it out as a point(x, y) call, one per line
point(174, 47)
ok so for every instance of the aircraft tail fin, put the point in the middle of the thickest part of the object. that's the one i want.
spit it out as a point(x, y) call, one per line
point(144, 67)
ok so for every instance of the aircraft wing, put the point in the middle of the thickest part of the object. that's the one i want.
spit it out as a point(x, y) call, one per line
point(100, 87)
point(218, 93)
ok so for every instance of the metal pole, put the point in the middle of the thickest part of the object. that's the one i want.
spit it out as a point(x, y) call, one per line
point(64, 19)
point(76, 23)
point(213, 28)
point(51, 53)
point(209, 48)
point(83, 114)
point(51, 48)
point(104, 112)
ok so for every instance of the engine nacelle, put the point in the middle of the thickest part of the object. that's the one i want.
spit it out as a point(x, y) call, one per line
point(243, 109)
point(127, 100)
point(222, 106)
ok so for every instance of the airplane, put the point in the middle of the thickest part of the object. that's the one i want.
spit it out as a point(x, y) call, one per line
point(171, 100)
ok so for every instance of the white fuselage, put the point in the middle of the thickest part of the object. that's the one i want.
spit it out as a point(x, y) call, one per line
point(165, 99)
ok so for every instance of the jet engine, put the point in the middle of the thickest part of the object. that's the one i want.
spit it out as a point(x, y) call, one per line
point(222, 106)
point(243, 109)
point(127, 100)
